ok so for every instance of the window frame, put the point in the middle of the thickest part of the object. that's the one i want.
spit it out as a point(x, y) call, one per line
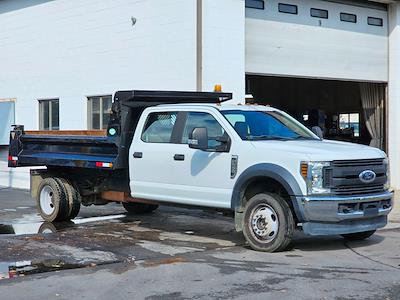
point(320, 10)
point(348, 14)
point(375, 18)
point(174, 139)
point(50, 116)
point(185, 116)
point(288, 5)
point(90, 111)
point(247, 5)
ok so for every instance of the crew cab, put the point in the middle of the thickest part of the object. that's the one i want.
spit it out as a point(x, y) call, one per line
point(192, 149)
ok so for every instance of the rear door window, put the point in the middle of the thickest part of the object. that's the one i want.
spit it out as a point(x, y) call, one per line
point(159, 127)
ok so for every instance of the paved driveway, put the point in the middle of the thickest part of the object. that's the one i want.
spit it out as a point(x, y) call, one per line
point(176, 253)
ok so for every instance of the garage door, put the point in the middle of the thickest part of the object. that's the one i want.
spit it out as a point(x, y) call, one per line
point(321, 39)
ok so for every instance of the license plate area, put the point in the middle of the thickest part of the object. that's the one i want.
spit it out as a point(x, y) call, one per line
point(370, 209)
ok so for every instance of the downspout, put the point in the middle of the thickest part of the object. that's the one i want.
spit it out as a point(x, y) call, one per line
point(199, 43)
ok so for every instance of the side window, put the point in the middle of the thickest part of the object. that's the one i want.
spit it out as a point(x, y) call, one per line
point(201, 119)
point(159, 127)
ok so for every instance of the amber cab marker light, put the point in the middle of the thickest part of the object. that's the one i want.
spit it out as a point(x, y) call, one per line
point(304, 170)
point(218, 88)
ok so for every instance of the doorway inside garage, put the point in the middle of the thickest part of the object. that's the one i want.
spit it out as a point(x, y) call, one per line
point(344, 110)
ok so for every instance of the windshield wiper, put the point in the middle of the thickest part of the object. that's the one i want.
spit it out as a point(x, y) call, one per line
point(266, 137)
point(299, 137)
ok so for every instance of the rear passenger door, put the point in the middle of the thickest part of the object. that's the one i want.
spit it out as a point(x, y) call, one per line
point(151, 168)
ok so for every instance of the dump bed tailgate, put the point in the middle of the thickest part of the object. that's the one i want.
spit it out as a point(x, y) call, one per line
point(66, 151)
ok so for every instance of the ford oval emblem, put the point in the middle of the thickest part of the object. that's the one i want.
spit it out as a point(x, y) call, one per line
point(367, 176)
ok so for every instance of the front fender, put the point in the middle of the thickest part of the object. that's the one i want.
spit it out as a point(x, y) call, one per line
point(278, 173)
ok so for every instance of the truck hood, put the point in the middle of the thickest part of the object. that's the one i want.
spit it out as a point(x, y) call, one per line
point(316, 150)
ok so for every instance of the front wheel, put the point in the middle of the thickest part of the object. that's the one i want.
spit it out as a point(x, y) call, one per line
point(268, 223)
point(358, 236)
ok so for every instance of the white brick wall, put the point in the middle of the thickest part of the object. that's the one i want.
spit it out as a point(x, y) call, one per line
point(72, 49)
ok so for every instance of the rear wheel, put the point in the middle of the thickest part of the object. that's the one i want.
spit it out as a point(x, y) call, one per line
point(73, 197)
point(358, 236)
point(268, 223)
point(139, 208)
point(51, 201)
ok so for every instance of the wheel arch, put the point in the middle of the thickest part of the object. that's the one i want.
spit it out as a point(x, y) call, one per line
point(266, 172)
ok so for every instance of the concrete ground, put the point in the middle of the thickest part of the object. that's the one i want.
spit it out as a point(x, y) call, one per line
point(177, 253)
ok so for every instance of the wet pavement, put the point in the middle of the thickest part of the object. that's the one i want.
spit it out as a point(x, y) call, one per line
point(176, 253)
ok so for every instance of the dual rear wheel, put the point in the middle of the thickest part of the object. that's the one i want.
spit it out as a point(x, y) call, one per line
point(58, 200)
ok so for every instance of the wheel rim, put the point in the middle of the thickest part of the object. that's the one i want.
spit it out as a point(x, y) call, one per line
point(264, 223)
point(46, 200)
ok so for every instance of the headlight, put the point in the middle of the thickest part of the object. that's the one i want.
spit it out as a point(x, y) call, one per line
point(387, 184)
point(313, 174)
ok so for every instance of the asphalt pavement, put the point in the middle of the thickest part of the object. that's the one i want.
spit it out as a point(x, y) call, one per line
point(176, 253)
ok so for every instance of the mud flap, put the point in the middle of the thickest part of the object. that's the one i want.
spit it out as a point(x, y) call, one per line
point(239, 221)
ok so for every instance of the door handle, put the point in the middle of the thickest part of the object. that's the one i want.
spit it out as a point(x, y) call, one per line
point(179, 157)
point(138, 155)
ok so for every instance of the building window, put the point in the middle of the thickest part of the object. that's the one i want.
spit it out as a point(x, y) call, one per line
point(348, 18)
point(287, 8)
point(99, 109)
point(159, 127)
point(49, 114)
point(350, 121)
point(257, 4)
point(319, 13)
point(375, 21)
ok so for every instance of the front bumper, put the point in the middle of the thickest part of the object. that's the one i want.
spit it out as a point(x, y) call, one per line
point(326, 215)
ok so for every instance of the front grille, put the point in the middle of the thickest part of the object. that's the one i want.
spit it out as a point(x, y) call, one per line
point(342, 177)
point(358, 162)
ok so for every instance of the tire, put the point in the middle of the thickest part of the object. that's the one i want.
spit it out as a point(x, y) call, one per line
point(51, 201)
point(139, 208)
point(268, 223)
point(73, 196)
point(358, 236)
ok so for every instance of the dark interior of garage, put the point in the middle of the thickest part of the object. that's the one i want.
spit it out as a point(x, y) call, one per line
point(344, 110)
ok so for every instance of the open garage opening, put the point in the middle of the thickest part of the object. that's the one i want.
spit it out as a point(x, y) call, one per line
point(345, 110)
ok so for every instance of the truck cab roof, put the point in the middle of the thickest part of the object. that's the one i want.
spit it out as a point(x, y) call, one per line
point(219, 107)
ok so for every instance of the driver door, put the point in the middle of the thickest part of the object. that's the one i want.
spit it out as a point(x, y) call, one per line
point(204, 176)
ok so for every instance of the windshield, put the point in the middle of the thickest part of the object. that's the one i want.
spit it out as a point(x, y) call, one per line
point(266, 125)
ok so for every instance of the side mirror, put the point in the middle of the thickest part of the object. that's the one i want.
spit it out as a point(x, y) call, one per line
point(198, 139)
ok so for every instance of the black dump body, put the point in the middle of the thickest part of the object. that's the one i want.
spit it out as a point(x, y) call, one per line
point(92, 152)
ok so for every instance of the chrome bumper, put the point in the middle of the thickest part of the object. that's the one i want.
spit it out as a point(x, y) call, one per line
point(345, 214)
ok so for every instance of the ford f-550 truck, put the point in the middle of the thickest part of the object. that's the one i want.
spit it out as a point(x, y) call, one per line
point(186, 148)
